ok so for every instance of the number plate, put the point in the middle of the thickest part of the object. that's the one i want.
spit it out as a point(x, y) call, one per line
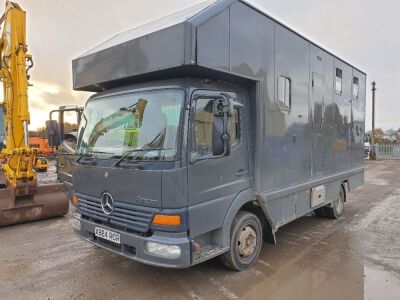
point(107, 235)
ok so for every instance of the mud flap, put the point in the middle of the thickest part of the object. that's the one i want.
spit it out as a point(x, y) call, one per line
point(48, 201)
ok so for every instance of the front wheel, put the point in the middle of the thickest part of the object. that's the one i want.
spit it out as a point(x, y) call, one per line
point(246, 242)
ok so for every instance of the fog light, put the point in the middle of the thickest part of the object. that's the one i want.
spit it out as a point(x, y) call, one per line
point(77, 221)
point(77, 225)
point(166, 251)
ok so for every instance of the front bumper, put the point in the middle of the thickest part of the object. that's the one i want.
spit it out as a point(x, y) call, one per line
point(134, 246)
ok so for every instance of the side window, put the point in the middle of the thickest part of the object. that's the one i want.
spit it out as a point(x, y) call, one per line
point(203, 127)
point(284, 93)
point(339, 79)
point(356, 87)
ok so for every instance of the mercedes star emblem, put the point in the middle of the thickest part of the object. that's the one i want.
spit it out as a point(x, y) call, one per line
point(107, 203)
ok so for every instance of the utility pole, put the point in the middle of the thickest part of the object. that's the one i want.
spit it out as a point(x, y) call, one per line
point(372, 151)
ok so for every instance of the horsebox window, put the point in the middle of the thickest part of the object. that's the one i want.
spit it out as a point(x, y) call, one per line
point(356, 87)
point(339, 79)
point(284, 93)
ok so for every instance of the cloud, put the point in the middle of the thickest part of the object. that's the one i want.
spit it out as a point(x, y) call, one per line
point(45, 97)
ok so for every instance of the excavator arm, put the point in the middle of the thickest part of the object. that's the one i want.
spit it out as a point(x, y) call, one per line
point(21, 198)
point(14, 65)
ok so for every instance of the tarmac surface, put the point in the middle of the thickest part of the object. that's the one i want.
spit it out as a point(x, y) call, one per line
point(355, 257)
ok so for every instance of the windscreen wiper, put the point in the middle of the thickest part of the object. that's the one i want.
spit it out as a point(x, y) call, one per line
point(118, 162)
point(82, 156)
point(91, 154)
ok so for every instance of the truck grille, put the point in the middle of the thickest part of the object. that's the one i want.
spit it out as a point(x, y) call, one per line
point(125, 216)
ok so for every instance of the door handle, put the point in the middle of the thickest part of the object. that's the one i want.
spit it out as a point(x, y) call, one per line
point(241, 173)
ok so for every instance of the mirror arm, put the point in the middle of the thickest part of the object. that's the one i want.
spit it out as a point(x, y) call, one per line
point(235, 104)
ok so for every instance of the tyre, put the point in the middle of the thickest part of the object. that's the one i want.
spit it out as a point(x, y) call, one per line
point(334, 210)
point(246, 242)
point(320, 212)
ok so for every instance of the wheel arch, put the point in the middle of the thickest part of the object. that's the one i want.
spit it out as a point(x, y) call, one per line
point(245, 201)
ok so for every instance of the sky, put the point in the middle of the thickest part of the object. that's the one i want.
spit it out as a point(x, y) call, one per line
point(363, 32)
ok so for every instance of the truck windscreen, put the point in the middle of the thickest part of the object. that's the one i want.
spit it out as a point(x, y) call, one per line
point(144, 125)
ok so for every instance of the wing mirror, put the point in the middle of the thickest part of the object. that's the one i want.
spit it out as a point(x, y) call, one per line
point(55, 130)
point(223, 109)
point(53, 133)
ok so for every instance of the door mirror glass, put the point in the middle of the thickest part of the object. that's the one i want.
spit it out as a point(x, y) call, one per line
point(220, 138)
point(53, 133)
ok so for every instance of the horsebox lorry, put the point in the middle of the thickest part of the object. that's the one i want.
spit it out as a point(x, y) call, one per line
point(209, 130)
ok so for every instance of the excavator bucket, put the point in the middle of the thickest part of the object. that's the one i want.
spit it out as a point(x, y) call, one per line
point(48, 201)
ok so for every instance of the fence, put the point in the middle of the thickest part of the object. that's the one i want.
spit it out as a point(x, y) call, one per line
point(387, 152)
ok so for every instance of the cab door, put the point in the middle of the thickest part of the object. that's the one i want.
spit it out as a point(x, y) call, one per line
point(213, 182)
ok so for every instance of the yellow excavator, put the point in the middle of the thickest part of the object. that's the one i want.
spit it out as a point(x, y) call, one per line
point(21, 198)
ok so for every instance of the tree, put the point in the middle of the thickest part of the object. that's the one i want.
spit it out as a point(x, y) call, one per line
point(68, 128)
point(380, 137)
point(391, 136)
point(397, 136)
point(42, 132)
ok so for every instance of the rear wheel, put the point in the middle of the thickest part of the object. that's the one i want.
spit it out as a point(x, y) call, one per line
point(246, 242)
point(334, 210)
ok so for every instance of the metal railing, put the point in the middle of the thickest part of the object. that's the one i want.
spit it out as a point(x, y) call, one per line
point(387, 152)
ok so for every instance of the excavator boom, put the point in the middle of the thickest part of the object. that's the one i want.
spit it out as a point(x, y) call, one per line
point(21, 199)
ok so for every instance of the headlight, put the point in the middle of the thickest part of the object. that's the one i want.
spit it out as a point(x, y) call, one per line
point(166, 251)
